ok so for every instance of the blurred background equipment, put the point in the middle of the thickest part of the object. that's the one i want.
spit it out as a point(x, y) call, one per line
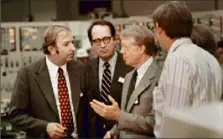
point(82, 55)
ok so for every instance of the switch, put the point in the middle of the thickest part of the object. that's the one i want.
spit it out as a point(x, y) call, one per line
point(4, 73)
point(6, 62)
point(17, 64)
point(12, 64)
point(1, 63)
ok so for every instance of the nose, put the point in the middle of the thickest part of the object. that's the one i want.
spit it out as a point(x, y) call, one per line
point(72, 47)
point(102, 44)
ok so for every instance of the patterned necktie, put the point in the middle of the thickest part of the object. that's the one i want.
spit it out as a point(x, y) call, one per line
point(131, 87)
point(65, 108)
point(106, 83)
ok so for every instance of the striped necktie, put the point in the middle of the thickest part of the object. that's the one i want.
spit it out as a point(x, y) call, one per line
point(106, 83)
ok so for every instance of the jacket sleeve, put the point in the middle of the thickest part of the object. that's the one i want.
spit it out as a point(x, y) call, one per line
point(136, 123)
point(20, 111)
point(115, 130)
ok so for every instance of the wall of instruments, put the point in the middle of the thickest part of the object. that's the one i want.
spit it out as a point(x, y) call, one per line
point(21, 42)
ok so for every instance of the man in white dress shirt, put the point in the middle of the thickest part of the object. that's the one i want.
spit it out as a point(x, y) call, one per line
point(191, 76)
point(47, 94)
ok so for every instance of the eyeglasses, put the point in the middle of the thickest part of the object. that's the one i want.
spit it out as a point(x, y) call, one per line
point(106, 40)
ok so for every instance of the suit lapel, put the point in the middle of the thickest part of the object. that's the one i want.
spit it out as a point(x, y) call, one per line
point(118, 69)
point(125, 89)
point(143, 84)
point(95, 78)
point(74, 85)
point(43, 80)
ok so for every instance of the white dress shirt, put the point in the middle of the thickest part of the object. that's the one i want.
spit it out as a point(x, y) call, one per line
point(190, 77)
point(142, 70)
point(112, 63)
point(53, 72)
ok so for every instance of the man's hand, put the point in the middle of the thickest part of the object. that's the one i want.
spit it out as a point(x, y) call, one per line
point(55, 130)
point(110, 112)
point(109, 135)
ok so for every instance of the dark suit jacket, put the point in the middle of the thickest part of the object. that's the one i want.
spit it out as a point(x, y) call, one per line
point(96, 125)
point(33, 104)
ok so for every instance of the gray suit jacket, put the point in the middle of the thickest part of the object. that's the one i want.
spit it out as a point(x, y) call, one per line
point(137, 120)
point(33, 104)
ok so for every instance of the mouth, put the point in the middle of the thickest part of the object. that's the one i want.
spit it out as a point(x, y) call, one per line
point(71, 54)
point(103, 51)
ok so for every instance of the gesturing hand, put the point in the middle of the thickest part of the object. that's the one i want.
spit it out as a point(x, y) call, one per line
point(110, 112)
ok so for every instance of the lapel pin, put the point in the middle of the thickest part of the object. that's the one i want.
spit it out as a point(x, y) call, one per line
point(136, 101)
point(121, 80)
point(81, 94)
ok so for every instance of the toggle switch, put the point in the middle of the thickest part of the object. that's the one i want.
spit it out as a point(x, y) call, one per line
point(6, 62)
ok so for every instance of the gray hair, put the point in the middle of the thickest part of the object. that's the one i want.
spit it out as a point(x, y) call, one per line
point(141, 35)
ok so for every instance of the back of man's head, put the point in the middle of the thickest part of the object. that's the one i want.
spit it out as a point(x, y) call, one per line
point(174, 18)
point(203, 36)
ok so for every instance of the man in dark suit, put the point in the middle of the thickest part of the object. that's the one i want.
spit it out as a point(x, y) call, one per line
point(135, 118)
point(105, 75)
point(47, 94)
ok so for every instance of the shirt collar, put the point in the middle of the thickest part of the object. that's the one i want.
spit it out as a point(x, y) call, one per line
point(53, 69)
point(112, 61)
point(177, 43)
point(143, 68)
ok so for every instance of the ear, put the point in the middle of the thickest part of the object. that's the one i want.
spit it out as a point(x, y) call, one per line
point(142, 49)
point(52, 50)
point(159, 30)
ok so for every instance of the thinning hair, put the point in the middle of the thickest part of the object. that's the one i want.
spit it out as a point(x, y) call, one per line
point(50, 36)
point(142, 36)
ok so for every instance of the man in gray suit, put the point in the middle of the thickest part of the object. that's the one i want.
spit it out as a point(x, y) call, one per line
point(47, 94)
point(135, 119)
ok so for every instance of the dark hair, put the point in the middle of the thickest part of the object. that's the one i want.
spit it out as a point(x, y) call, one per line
point(102, 23)
point(203, 36)
point(50, 36)
point(220, 44)
point(174, 18)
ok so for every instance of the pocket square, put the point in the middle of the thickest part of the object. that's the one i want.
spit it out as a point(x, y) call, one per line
point(121, 80)
point(81, 95)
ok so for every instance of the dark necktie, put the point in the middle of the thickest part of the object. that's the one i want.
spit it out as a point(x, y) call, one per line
point(131, 87)
point(106, 83)
point(65, 108)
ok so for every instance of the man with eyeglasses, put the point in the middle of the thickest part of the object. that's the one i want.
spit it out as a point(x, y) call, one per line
point(104, 75)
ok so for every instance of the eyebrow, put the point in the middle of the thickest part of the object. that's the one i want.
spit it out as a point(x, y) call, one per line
point(68, 41)
point(101, 38)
